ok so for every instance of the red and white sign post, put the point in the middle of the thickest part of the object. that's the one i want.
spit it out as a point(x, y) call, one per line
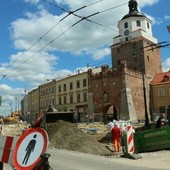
point(130, 139)
point(7, 145)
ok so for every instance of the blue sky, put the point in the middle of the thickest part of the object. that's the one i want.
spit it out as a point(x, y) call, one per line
point(23, 22)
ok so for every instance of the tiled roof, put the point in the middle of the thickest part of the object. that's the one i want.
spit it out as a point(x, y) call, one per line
point(161, 78)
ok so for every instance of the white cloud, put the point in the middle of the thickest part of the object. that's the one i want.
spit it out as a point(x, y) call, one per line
point(143, 3)
point(32, 1)
point(166, 65)
point(167, 17)
point(99, 53)
point(84, 38)
point(80, 38)
point(8, 98)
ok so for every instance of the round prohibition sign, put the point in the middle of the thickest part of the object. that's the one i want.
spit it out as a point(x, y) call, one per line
point(29, 147)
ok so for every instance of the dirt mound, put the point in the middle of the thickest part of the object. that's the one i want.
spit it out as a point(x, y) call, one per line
point(66, 135)
point(15, 129)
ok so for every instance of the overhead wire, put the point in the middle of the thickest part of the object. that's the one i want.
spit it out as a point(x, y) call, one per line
point(70, 12)
point(53, 41)
point(4, 75)
point(89, 20)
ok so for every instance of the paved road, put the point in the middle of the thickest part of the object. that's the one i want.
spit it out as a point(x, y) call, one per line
point(68, 160)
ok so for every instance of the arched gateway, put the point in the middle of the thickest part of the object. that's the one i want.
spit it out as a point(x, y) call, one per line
point(110, 113)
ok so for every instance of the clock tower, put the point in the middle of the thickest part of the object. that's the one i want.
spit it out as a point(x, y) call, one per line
point(136, 44)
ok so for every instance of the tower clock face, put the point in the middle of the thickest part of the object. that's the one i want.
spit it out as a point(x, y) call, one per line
point(126, 32)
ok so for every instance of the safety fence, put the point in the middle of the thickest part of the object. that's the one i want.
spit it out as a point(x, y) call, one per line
point(7, 145)
point(152, 140)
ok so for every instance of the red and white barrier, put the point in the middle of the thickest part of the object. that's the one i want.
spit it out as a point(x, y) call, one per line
point(7, 145)
point(130, 139)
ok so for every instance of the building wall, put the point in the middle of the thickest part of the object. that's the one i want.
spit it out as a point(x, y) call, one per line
point(138, 55)
point(47, 95)
point(72, 94)
point(112, 82)
point(161, 101)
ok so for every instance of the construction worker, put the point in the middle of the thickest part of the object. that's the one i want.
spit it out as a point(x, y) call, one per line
point(116, 135)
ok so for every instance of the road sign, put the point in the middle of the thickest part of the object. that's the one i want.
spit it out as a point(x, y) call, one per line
point(30, 146)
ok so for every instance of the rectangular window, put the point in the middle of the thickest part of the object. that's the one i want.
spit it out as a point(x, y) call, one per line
point(59, 88)
point(53, 102)
point(84, 97)
point(52, 89)
point(161, 92)
point(84, 83)
point(71, 86)
point(78, 97)
point(46, 90)
point(59, 101)
point(65, 99)
point(78, 84)
point(71, 98)
point(64, 87)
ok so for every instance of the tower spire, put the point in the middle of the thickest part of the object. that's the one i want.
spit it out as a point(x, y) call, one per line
point(133, 6)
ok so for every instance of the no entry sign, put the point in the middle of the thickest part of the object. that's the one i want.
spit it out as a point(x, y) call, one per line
point(30, 146)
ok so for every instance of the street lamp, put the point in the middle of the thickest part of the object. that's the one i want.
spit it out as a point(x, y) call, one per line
point(145, 102)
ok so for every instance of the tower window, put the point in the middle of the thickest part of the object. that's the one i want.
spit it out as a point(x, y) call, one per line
point(148, 25)
point(126, 39)
point(126, 25)
point(148, 58)
point(118, 62)
point(138, 24)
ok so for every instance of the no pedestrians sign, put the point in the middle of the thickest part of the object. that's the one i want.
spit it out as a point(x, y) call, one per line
point(30, 146)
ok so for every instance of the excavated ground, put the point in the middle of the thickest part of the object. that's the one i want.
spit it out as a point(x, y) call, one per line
point(92, 138)
point(79, 137)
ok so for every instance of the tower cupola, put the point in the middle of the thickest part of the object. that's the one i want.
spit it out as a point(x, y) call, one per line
point(133, 10)
point(133, 25)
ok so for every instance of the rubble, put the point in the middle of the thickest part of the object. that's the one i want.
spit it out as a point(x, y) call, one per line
point(15, 129)
point(66, 135)
point(80, 137)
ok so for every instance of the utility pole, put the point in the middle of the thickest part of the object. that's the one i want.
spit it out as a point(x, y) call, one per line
point(145, 102)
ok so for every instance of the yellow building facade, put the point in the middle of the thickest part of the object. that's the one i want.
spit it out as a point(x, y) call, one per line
point(160, 93)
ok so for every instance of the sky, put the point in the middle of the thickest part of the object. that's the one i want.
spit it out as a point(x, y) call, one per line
point(39, 41)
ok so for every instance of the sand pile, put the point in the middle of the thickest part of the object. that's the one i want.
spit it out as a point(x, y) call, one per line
point(16, 129)
point(66, 135)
